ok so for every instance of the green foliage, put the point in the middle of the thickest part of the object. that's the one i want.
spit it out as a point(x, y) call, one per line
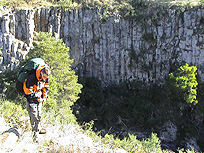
point(91, 93)
point(185, 81)
point(64, 89)
point(14, 3)
point(7, 87)
point(87, 127)
point(129, 143)
point(121, 105)
point(139, 105)
point(12, 113)
point(152, 144)
point(132, 144)
point(65, 3)
point(186, 151)
point(2, 2)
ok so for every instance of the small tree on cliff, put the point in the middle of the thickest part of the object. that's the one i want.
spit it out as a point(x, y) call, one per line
point(64, 89)
point(184, 83)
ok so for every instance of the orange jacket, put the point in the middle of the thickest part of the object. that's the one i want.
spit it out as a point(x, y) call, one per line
point(35, 88)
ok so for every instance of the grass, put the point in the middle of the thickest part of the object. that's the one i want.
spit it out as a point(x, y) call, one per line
point(114, 4)
point(25, 4)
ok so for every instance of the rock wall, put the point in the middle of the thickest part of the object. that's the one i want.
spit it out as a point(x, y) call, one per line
point(146, 47)
point(15, 38)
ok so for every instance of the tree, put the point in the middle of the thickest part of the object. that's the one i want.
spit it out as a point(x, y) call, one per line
point(185, 82)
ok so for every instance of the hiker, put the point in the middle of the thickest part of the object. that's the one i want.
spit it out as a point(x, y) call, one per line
point(35, 88)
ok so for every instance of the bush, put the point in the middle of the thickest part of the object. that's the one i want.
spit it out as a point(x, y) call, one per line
point(132, 144)
point(2, 2)
point(12, 114)
point(185, 82)
point(151, 144)
point(8, 89)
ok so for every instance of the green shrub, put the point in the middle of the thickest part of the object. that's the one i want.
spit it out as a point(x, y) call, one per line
point(2, 2)
point(132, 144)
point(8, 89)
point(12, 114)
point(185, 82)
point(65, 3)
point(186, 151)
point(8, 79)
point(151, 144)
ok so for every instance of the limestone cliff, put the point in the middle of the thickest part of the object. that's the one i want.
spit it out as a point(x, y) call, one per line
point(145, 47)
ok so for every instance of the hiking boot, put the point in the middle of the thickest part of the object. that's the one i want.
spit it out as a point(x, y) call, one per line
point(42, 131)
point(35, 137)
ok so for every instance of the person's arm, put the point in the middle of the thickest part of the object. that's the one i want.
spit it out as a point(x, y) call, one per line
point(29, 87)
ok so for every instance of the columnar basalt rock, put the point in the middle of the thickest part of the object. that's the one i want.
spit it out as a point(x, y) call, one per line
point(114, 48)
point(15, 40)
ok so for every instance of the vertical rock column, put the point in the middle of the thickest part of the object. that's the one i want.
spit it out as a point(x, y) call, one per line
point(30, 27)
point(16, 37)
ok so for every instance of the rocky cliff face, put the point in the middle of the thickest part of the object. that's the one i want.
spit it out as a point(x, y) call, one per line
point(144, 47)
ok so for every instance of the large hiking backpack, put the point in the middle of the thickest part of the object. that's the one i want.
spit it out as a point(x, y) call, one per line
point(27, 69)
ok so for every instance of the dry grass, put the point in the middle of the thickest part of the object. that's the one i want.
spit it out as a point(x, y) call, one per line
point(180, 2)
point(22, 4)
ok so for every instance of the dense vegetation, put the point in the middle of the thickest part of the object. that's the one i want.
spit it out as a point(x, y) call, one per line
point(136, 106)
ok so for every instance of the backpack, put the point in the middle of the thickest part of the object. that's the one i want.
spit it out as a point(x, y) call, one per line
point(27, 69)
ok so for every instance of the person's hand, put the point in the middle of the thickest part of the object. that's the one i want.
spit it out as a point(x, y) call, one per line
point(41, 100)
point(38, 94)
